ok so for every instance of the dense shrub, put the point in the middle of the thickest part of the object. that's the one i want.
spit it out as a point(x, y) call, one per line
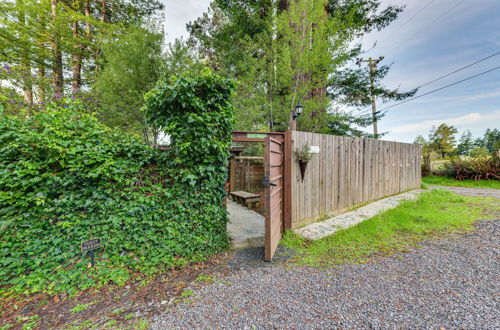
point(66, 178)
point(481, 168)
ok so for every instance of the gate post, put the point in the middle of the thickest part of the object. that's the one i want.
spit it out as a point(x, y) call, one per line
point(287, 182)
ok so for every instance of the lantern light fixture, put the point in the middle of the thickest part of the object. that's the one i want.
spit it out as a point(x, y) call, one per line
point(298, 110)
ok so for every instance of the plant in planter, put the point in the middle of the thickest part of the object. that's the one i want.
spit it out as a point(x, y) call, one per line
point(303, 156)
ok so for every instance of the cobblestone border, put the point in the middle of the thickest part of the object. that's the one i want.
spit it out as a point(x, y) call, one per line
point(325, 228)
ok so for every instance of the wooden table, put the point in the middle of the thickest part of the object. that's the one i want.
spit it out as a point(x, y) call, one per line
point(245, 198)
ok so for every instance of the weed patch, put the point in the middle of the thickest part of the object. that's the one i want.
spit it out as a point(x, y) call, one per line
point(80, 308)
point(205, 278)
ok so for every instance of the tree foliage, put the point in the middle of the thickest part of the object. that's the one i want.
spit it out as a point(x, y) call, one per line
point(133, 64)
point(61, 41)
point(491, 140)
point(442, 139)
point(66, 178)
point(181, 58)
point(443, 142)
point(465, 143)
point(353, 87)
point(282, 52)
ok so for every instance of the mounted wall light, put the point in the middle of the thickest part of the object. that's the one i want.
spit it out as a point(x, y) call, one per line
point(298, 110)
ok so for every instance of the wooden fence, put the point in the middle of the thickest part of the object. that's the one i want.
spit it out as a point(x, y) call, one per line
point(348, 172)
point(247, 173)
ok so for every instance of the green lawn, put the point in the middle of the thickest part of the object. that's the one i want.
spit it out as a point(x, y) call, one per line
point(436, 213)
point(445, 181)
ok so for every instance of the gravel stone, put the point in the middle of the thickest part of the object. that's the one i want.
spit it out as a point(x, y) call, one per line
point(447, 283)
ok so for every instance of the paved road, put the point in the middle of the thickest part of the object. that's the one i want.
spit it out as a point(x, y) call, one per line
point(449, 283)
point(475, 192)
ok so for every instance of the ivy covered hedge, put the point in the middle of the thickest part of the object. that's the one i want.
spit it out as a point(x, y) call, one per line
point(66, 178)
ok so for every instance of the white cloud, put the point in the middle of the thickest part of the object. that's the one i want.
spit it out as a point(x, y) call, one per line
point(475, 122)
point(178, 13)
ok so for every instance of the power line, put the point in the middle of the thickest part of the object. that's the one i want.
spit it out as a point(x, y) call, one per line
point(427, 25)
point(448, 74)
point(441, 88)
point(404, 24)
point(460, 69)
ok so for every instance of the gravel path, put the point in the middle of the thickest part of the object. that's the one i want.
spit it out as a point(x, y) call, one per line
point(447, 283)
point(474, 192)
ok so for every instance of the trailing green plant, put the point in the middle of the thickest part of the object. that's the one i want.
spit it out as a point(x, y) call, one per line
point(304, 155)
point(66, 178)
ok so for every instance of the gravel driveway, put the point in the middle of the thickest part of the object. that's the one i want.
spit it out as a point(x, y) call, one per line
point(446, 283)
point(474, 192)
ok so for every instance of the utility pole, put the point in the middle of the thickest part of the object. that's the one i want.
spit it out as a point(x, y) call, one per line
point(372, 64)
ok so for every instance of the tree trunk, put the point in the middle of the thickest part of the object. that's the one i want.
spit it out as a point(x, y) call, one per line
point(427, 168)
point(104, 6)
point(25, 60)
point(41, 88)
point(57, 66)
point(86, 9)
point(103, 10)
point(284, 4)
point(76, 79)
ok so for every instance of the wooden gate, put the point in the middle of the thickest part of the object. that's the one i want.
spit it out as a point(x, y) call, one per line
point(273, 180)
point(278, 192)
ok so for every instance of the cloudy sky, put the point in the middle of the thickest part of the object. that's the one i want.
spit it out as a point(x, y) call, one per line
point(430, 39)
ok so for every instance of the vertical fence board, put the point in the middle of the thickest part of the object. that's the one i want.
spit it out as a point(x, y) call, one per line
point(347, 172)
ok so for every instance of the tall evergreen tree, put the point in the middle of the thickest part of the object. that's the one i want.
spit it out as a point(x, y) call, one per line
point(132, 65)
point(465, 143)
point(442, 140)
point(283, 52)
point(180, 57)
point(356, 87)
point(56, 37)
point(491, 139)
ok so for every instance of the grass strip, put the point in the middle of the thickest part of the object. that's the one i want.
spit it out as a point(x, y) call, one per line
point(445, 181)
point(434, 214)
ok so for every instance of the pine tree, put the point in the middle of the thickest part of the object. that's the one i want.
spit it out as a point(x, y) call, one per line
point(491, 139)
point(283, 52)
point(54, 37)
point(465, 143)
point(442, 139)
point(134, 63)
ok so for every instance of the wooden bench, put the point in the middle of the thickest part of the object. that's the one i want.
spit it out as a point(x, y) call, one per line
point(245, 198)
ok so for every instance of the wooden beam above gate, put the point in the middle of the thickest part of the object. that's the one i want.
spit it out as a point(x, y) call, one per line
point(245, 136)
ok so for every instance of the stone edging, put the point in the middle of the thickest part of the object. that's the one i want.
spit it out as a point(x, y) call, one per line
point(325, 228)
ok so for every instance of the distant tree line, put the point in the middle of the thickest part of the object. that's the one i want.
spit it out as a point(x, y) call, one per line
point(442, 141)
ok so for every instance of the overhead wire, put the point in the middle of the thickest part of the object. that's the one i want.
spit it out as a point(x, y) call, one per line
point(427, 25)
point(448, 74)
point(460, 69)
point(403, 25)
point(439, 89)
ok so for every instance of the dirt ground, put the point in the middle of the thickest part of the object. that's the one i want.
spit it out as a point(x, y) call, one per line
point(129, 306)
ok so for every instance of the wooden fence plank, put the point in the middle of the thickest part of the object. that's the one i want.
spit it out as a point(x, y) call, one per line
point(349, 171)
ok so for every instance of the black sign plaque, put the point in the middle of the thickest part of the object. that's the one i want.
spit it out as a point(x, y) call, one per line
point(91, 245)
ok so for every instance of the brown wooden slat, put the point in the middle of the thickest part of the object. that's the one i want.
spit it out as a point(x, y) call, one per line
point(273, 166)
point(350, 171)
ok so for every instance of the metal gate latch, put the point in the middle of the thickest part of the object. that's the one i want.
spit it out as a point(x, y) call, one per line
point(265, 182)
